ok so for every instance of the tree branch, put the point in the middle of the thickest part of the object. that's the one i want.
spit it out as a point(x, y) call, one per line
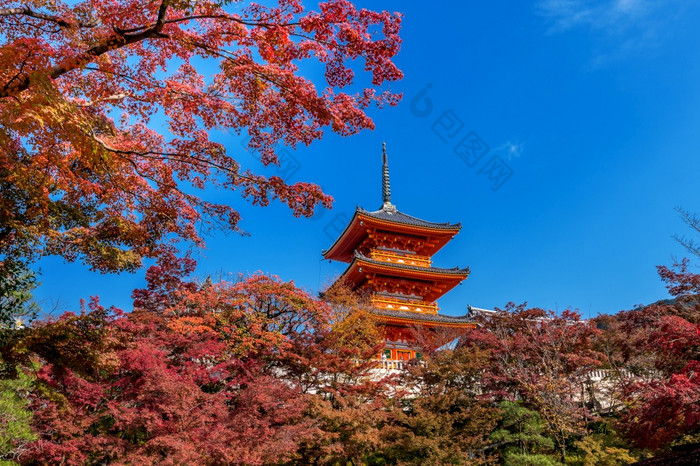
point(116, 41)
point(26, 11)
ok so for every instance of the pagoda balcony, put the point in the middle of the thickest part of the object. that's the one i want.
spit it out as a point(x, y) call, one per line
point(412, 305)
point(403, 259)
point(396, 365)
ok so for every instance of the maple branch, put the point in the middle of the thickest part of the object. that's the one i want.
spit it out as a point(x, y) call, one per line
point(219, 16)
point(229, 57)
point(26, 11)
point(116, 41)
point(21, 69)
point(170, 155)
point(125, 76)
point(91, 103)
point(190, 159)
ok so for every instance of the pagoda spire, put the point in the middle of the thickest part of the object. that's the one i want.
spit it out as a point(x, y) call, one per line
point(386, 188)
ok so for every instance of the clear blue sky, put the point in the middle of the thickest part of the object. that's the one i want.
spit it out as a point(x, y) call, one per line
point(594, 106)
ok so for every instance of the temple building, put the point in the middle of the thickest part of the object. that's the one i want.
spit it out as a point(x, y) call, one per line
point(390, 258)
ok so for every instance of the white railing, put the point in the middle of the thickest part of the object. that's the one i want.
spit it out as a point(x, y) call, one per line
point(392, 365)
point(396, 364)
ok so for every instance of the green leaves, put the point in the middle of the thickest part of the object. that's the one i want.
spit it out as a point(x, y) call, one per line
point(17, 307)
point(15, 417)
point(521, 436)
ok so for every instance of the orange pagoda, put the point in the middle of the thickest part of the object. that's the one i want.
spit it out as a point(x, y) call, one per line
point(390, 256)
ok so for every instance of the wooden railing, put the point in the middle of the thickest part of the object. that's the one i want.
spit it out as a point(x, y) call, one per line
point(395, 364)
point(404, 259)
point(412, 305)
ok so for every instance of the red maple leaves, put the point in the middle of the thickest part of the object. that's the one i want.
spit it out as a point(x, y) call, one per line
point(109, 109)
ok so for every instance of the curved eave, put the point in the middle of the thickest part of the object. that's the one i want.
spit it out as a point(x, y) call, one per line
point(430, 271)
point(356, 231)
point(426, 320)
point(447, 278)
point(338, 249)
point(395, 216)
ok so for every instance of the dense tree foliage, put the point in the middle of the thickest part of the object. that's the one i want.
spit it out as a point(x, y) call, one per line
point(544, 358)
point(665, 400)
point(17, 306)
point(15, 418)
point(107, 110)
point(259, 372)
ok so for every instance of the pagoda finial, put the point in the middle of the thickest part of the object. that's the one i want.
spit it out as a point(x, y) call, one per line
point(386, 188)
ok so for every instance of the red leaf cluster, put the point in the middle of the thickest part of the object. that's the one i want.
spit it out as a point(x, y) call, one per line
point(107, 110)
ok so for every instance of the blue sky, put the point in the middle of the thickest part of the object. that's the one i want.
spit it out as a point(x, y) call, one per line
point(594, 109)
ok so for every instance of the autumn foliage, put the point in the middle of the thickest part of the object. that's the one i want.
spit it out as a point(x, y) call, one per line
point(108, 110)
point(200, 380)
point(257, 371)
point(111, 123)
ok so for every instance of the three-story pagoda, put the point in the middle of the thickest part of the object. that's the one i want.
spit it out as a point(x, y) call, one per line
point(390, 257)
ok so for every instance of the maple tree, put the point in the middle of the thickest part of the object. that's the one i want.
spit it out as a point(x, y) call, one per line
point(542, 358)
point(665, 399)
point(107, 110)
point(190, 382)
point(251, 372)
point(337, 363)
point(152, 395)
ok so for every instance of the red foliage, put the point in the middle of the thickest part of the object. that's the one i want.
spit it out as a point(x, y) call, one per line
point(664, 410)
point(84, 85)
point(665, 402)
point(145, 388)
point(528, 346)
point(541, 358)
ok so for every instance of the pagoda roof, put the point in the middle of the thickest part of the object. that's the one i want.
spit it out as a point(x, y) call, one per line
point(409, 317)
point(390, 214)
point(434, 270)
point(388, 218)
point(436, 281)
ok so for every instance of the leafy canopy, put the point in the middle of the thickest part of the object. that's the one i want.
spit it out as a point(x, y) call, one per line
point(107, 107)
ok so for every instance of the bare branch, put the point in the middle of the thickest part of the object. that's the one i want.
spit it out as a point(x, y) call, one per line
point(693, 221)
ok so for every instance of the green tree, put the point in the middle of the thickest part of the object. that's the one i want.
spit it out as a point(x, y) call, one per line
point(16, 303)
point(15, 418)
point(17, 309)
point(440, 417)
point(521, 437)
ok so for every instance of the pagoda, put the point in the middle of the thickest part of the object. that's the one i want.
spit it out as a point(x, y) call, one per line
point(390, 258)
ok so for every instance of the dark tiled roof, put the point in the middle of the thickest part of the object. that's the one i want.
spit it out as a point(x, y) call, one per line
point(419, 316)
point(390, 214)
point(393, 215)
point(452, 271)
